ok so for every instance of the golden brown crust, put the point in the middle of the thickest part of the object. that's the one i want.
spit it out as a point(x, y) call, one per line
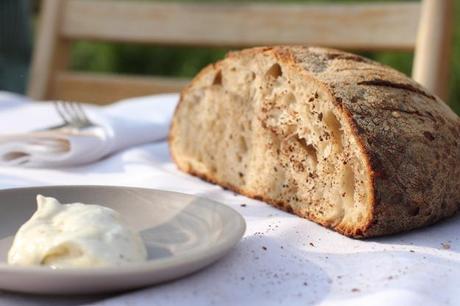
point(410, 139)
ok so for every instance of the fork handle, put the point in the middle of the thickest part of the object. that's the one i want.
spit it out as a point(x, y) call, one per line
point(52, 128)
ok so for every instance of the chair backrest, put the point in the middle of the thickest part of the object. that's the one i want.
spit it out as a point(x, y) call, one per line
point(420, 26)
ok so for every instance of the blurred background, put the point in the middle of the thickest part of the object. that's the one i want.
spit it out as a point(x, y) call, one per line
point(18, 20)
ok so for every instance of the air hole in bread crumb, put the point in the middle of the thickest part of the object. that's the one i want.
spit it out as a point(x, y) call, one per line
point(311, 151)
point(274, 71)
point(334, 126)
point(217, 78)
point(287, 100)
point(243, 146)
point(348, 184)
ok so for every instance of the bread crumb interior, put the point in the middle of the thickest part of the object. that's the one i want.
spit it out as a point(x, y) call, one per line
point(260, 127)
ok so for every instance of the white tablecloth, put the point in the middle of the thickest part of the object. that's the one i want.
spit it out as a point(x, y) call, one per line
point(282, 259)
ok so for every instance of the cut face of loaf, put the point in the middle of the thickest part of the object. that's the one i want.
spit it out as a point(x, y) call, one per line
point(327, 135)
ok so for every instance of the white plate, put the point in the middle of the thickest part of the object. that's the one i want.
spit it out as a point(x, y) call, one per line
point(182, 233)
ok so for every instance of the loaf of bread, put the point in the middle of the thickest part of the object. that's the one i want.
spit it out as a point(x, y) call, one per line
point(330, 136)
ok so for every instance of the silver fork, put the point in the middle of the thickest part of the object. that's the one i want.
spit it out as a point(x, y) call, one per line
point(73, 115)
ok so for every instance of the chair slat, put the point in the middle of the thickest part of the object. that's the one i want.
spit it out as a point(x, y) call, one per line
point(354, 26)
point(432, 59)
point(104, 89)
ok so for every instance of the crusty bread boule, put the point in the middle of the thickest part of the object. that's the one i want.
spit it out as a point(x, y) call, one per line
point(330, 136)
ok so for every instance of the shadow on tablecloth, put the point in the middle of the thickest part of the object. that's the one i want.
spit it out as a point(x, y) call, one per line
point(16, 299)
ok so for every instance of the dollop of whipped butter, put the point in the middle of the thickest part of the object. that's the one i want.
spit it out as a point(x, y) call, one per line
point(75, 235)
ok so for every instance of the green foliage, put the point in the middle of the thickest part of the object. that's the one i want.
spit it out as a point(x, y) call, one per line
point(186, 61)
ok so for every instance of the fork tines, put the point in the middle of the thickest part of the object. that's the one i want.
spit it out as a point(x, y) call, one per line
point(73, 114)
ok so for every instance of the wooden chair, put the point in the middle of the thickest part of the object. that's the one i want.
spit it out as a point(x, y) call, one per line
point(421, 26)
